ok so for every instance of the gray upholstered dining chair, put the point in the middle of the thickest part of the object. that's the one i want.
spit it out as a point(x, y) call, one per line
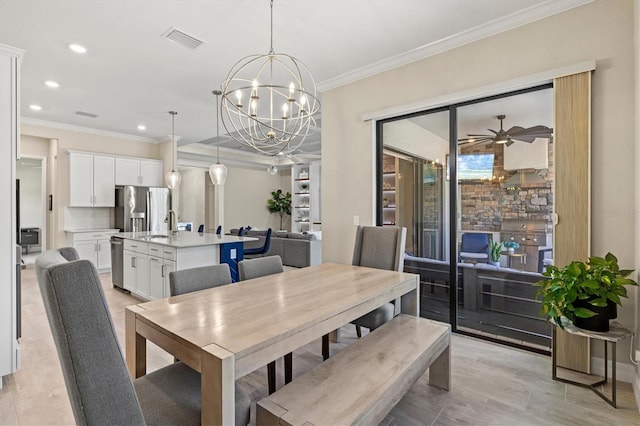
point(260, 267)
point(382, 248)
point(194, 279)
point(95, 373)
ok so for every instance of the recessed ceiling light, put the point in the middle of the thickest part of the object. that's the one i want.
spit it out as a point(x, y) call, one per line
point(142, 127)
point(35, 107)
point(52, 84)
point(78, 48)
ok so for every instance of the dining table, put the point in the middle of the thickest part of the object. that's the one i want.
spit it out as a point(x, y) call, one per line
point(227, 332)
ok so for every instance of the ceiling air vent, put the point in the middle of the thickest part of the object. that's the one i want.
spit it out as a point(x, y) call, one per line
point(182, 38)
point(86, 114)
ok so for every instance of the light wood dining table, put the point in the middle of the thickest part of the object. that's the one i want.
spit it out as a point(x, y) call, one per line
point(227, 332)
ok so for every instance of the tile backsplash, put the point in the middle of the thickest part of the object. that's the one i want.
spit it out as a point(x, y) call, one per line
point(77, 218)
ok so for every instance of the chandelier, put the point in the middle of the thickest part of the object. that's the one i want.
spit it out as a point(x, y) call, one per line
point(269, 101)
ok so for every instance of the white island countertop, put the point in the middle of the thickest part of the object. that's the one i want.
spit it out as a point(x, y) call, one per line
point(182, 239)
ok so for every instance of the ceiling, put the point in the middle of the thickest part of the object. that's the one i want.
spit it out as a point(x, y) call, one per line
point(131, 75)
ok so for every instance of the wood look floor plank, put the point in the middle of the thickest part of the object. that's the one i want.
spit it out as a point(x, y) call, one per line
point(36, 395)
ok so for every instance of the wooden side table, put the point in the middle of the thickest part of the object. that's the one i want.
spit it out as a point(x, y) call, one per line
point(510, 255)
point(616, 333)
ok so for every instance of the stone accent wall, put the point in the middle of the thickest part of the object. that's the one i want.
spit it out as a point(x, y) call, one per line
point(485, 204)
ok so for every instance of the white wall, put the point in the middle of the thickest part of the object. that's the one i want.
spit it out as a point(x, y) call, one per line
point(191, 201)
point(246, 192)
point(31, 203)
point(602, 30)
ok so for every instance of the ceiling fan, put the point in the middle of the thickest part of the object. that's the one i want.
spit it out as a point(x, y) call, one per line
point(508, 137)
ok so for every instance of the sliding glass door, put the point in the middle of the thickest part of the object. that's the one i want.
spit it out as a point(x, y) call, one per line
point(464, 180)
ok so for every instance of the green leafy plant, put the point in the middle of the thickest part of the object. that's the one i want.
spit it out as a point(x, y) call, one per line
point(495, 250)
point(597, 281)
point(280, 203)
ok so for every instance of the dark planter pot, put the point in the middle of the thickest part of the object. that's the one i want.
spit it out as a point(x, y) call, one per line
point(600, 322)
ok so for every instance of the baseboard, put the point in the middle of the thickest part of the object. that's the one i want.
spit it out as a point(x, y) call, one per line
point(625, 372)
point(636, 385)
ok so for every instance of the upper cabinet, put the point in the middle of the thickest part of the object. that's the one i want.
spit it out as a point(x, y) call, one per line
point(91, 180)
point(139, 172)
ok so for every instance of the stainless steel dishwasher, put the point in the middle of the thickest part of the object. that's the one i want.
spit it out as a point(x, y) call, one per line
point(117, 247)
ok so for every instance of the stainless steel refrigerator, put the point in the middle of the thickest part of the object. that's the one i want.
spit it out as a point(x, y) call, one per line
point(141, 209)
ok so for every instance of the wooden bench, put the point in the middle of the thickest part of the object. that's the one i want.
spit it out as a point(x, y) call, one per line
point(364, 381)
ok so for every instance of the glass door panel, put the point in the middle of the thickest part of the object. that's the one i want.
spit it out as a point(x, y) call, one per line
point(414, 195)
point(505, 196)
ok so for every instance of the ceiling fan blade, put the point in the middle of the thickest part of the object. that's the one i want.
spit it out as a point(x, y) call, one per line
point(479, 135)
point(523, 138)
point(509, 142)
point(535, 130)
point(515, 130)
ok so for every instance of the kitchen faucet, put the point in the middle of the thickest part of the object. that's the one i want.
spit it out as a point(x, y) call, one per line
point(171, 218)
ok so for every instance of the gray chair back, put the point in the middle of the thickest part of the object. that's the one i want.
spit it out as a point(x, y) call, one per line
point(187, 280)
point(94, 369)
point(259, 267)
point(380, 247)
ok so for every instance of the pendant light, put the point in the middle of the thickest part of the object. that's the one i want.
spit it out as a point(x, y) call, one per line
point(173, 178)
point(272, 170)
point(218, 172)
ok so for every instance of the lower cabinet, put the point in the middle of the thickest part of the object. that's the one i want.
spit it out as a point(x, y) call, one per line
point(94, 246)
point(147, 267)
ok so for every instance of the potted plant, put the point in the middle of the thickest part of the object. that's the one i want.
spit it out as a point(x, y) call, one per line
point(495, 250)
point(280, 203)
point(511, 246)
point(584, 293)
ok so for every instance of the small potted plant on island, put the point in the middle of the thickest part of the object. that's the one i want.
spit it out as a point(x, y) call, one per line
point(584, 293)
point(495, 250)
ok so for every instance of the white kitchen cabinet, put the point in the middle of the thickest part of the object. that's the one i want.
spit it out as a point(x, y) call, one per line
point(138, 172)
point(135, 274)
point(161, 263)
point(151, 173)
point(91, 180)
point(129, 278)
point(94, 246)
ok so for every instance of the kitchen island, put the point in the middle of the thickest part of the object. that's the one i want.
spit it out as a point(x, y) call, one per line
point(149, 258)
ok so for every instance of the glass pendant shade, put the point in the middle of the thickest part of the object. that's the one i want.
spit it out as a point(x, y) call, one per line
point(173, 179)
point(218, 173)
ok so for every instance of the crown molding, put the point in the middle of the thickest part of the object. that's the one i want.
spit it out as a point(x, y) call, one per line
point(12, 51)
point(508, 22)
point(482, 91)
point(89, 130)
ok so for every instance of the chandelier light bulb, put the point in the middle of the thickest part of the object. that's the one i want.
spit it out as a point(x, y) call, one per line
point(292, 89)
point(272, 170)
point(239, 98)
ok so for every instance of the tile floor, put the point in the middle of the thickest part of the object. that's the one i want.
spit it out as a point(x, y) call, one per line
point(491, 384)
